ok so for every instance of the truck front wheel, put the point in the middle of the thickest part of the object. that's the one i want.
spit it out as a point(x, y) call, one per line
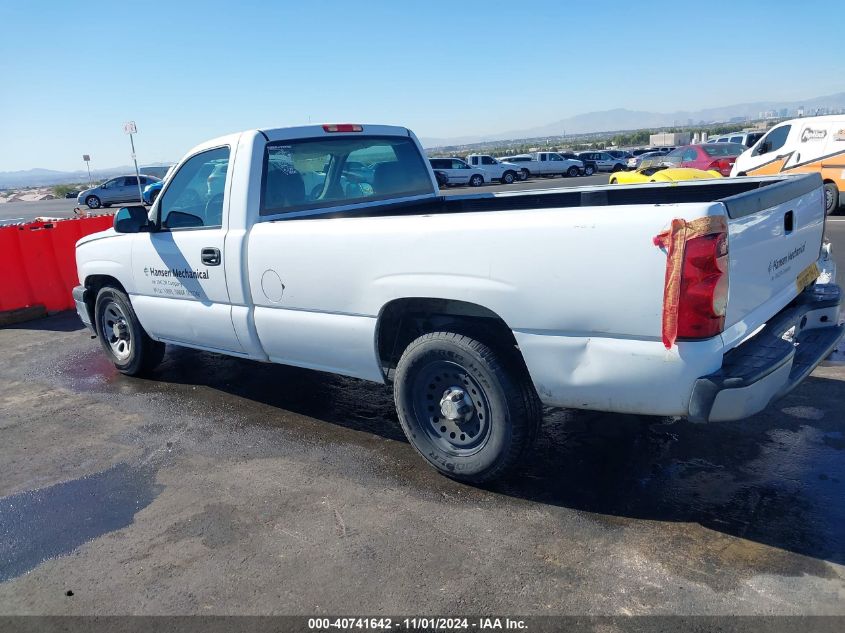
point(468, 409)
point(508, 177)
point(123, 339)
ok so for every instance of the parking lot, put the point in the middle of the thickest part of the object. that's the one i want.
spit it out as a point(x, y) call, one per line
point(223, 486)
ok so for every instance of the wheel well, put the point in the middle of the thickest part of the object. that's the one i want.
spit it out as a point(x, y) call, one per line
point(403, 320)
point(93, 285)
point(830, 181)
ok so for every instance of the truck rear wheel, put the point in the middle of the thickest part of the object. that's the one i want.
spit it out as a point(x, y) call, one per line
point(123, 339)
point(468, 409)
point(831, 198)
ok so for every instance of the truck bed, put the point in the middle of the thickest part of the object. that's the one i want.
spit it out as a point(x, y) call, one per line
point(741, 197)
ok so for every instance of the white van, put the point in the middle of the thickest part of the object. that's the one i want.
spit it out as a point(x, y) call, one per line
point(809, 144)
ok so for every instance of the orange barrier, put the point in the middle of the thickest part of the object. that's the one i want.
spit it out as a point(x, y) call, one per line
point(38, 261)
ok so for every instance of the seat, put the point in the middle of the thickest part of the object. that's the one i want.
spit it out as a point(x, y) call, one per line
point(389, 178)
point(284, 188)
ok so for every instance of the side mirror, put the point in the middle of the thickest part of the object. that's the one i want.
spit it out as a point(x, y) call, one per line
point(131, 220)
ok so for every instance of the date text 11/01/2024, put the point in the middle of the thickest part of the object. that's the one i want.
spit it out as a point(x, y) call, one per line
point(417, 624)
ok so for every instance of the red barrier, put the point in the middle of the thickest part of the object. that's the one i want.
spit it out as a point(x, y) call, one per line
point(38, 261)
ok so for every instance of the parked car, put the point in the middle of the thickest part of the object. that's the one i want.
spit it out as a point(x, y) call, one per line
point(469, 307)
point(635, 162)
point(661, 174)
point(458, 172)
point(113, 191)
point(602, 161)
point(519, 161)
point(506, 173)
point(743, 138)
point(620, 154)
point(807, 145)
point(151, 191)
point(546, 164)
point(717, 156)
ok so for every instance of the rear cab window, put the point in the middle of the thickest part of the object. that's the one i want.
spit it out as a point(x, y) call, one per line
point(303, 175)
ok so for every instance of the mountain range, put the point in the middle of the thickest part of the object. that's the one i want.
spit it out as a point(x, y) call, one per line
point(615, 120)
point(41, 177)
point(620, 119)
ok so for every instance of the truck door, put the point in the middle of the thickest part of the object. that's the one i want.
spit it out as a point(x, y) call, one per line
point(179, 269)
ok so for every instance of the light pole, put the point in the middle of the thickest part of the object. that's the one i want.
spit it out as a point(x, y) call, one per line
point(131, 129)
point(87, 159)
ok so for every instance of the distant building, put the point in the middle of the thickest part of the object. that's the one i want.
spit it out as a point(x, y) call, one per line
point(669, 139)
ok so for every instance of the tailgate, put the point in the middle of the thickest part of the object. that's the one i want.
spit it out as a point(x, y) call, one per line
point(775, 233)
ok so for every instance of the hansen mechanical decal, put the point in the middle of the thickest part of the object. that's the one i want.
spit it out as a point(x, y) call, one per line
point(779, 266)
point(180, 273)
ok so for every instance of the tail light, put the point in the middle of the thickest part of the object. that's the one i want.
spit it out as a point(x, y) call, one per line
point(723, 166)
point(695, 288)
point(704, 287)
point(342, 127)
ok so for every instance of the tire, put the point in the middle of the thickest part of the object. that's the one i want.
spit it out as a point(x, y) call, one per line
point(831, 198)
point(589, 170)
point(93, 202)
point(121, 336)
point(499, 410)
point(573, 171)
point(524, 174)
point(508, 178)
point(476, 180)
point(616, 167)
point(613, 181)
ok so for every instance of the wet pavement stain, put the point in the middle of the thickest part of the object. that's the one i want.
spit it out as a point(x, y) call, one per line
point(38, 525)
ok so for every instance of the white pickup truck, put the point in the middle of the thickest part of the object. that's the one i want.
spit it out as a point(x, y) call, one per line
point(329, 247)
point(494, 169)
point(546, 164)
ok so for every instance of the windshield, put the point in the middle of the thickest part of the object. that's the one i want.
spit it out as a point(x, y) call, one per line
point(724, 149)
point(329, 172)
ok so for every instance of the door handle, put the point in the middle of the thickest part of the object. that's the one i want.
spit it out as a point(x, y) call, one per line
point(211, 256)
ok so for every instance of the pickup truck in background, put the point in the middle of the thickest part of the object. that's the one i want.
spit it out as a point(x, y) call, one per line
point(329, 247)
point(494, 169)
point(546, 164)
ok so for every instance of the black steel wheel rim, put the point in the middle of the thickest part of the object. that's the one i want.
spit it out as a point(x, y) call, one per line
point(459, 437)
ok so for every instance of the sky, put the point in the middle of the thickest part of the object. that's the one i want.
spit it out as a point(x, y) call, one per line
point(72, 72)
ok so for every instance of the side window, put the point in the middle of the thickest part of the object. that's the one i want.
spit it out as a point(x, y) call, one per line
point(554, 157)
point(689, 155)
point(736, 139)
point(130, 181)
point(777, 137)
point(459, 164)
point(486, 160)
point(113, 183)
point(194, 197)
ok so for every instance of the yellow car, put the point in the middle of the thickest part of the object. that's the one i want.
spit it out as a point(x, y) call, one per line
point(661, 174)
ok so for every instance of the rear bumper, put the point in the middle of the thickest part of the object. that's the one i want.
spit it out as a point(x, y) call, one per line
point(82, 306)
point(768, 366)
